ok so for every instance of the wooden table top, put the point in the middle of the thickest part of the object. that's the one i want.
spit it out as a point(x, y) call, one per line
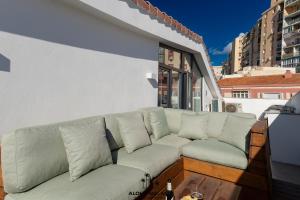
point(211, 188)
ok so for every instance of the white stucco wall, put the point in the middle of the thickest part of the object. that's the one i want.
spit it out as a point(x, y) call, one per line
point(255, 106)
point(59, 63)
point(125, 13)
point(284, 138)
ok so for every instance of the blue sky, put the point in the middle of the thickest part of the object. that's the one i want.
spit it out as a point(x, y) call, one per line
point(218, 21)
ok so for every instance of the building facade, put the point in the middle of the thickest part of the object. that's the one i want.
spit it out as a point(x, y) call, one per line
point(262, 45)
point(261, 87)
point(218, 71)
point(291, 34)
point(271, 34)
point(236, 55)
point(71, 59)
point(255, 42)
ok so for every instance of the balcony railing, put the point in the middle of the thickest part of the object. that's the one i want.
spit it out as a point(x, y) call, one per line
point(293, 14)
point(292, 44)
point(291, 65)
point(291, 33)
point(293, 21)
point(290, 55)
point(289, 2)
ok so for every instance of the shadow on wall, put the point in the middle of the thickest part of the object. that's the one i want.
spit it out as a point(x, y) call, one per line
point(4, 63)
point(284, 147)
point(153, 83)
point(64, 23)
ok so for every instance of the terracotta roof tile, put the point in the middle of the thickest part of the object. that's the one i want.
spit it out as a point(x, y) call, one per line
point(163, 17)
point(294, 79)
point(154, 11)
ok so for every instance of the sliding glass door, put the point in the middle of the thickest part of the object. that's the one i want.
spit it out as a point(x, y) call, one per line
point(197, 89)
point(176, 82)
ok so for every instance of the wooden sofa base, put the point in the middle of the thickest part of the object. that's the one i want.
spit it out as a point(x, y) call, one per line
point(234, 175)
point(158, 185)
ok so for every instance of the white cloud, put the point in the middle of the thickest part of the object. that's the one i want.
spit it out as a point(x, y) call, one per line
point(241, 34)
point(226, 50)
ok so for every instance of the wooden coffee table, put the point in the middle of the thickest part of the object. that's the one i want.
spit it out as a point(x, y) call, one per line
point(211, 188)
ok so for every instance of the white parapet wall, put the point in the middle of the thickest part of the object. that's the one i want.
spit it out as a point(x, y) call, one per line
point(284, 137)
point(255, 106)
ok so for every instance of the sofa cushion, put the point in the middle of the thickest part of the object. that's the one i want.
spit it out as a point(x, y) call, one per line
point(172, 140)
point(109, 182)
point(146, 114)
point(112, 130)
point(215, 124)
point(133, 132)
point(159, 124)
point(193, 126)
point(214, 130)
point(214, 151)
point(86, 147)
point(174, 118)
point(236, 131)
point(31, 156)
point(152, 159)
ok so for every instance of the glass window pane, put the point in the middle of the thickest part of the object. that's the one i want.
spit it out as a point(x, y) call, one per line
point(175, 90)
point(187, 62)
point(197, 89)
point(170, 57)
point(161, 55)
point(163, 88)
point(189, 92)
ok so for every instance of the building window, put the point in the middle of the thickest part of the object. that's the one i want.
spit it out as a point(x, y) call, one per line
point(170, 57)
point(180, 80)
point(240, 94)
point(196, 88)
point(271, 95)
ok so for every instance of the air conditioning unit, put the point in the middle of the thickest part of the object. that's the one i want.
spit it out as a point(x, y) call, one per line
point(233, 107)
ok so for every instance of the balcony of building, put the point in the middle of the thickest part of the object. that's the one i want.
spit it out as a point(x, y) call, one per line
point(291, 43)
point(291, 31)
point(291, 22)
point(292, 12)
point(291, 3)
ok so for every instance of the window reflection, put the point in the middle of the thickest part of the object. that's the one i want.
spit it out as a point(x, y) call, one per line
point(180, 82)
point(170, 57)
point(186, 62)
point(197, 88)
point(175, 89)
point(163, 88)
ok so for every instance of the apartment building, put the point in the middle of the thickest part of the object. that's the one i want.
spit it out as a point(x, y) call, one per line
point(236, 55)
point(271, 34)
point(291, 34)
point(255, 42)
point(262, 45)
point(246, 50)
point(218, 71)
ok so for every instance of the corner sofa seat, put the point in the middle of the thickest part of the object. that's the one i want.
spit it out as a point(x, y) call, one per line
point(151, 159)
point(172, 140)
point(217, 152)
point(111, 182)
